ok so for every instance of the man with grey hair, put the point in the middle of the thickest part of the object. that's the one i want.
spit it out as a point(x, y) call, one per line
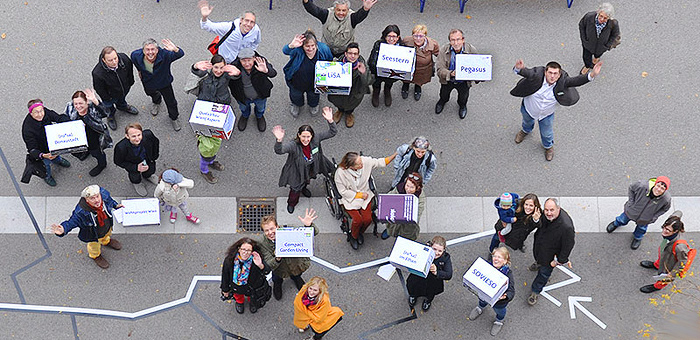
point(599, 33)
point(153, 64)
point(339, 28)
point(93, 215)
point(553, 243)
point(233, 35)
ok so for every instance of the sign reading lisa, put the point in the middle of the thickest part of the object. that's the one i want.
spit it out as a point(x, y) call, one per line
point(294, 242)
point(66, 137)
point(212, 119)
point(333, 77)
point(412, 256)
point(397, 62)
point(473, 67)
point(141, 211)
point(484, 280)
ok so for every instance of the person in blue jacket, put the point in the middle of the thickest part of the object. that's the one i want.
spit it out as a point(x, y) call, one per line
point(153, 64)
point(500, 259)
point(304, 51)
point(93, 216)
point(506, 205)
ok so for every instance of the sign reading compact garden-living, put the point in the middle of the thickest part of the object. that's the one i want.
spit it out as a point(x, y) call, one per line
point(294, 242)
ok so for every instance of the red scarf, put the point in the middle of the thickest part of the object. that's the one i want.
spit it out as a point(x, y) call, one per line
point(101, 216)
point(307, 301)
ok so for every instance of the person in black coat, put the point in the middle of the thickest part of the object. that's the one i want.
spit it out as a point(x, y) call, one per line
point(243, 274)
point(500, 259)
point(433, 284)
point(85, 106)
point(34, 136)
point(541, 89)
point(392, 36)
point(598, 34)
point(252, 86)
point(137, 154)
point(527, 216)
point(112, 79)
point(554, 241)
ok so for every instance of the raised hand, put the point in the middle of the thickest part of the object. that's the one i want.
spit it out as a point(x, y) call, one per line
point(261, 64)
point(596, 69)
point(232, 70)
point(204, 9)
point(367, 4)
point(278, 131)
point(203, 65)
point(297, 41)
point(168, 45)
point(361, 67)
point(257, 260)
point(57, 229)
point(309, 217)
point(327, 114)
point(519, 64)
point(536, 214)
point(91, 97)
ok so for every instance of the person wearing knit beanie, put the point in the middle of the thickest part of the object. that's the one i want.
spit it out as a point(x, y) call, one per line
point(172, 194)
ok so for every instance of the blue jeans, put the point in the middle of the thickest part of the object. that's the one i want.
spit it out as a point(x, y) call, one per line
point(495, 241)
point(297, 97)
point(260, 104)
point(639, 231)
point(47, 164)
point(543, 274)
point(500, 312)
point(109, 105)
point(546, 127)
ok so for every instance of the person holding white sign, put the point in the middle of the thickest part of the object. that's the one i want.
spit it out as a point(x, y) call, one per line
point(361, 79)
point(426, 49)
point(85, 106)
point(434, 283)
point(446, 65)
point(243, 275)
point(392, 36)
point(137, 153)
point(34, 136)
point(93, 216)
point(500, 259)
point(542, 88)
point(339, 28)
point(282, 268)
point(300, 72)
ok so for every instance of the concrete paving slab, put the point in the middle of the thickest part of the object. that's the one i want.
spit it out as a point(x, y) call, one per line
point(583, 211)
point(454, 214)
point(608, 209)
point(14, 215)
point(690, 206)
point(325, 222)
point(217, 215)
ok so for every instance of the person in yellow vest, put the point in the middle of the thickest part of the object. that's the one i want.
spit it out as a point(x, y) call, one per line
point(312, 308)
point(339, 28)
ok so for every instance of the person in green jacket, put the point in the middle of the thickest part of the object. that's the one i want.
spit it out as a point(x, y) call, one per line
point(283, 267)
point(361, 79)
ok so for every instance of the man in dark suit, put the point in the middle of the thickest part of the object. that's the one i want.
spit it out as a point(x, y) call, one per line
point(112, 78)
point(137, 154)
point(598, 34)
point(541, 89)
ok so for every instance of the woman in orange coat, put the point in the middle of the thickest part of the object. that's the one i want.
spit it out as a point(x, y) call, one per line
point(312, 307)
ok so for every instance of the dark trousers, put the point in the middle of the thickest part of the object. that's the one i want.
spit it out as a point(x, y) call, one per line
point(100, 157)
point(135, 176)
point(297, 96)
point(318, 336)
point(293, 198)
point(388, 82)
point(462, 92)
point(495, 242)
point(296, 278)
point(166, 93)
point(543, 274)
point(588, 58)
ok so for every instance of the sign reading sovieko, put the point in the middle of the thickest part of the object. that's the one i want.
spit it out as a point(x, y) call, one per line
point(294, 242)
point(484, 280)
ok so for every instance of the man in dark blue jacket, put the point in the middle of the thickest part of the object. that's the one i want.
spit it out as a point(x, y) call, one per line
point(93, 215)
point(112, 78)
point(153, 63)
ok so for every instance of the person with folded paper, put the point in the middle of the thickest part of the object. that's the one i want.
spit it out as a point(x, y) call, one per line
point(34, 136)
point(434, 283)
point(93, 216)
point(500, 259)
point(85, 106)
point(412, 185)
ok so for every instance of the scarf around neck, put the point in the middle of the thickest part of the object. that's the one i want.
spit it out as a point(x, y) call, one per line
point(241, 270)
point(308, 301)
point(355, 64)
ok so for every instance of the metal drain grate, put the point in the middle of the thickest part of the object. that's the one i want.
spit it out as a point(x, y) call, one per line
point(251, 212)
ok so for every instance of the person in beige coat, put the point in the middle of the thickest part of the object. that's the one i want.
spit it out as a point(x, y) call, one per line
point(426, 49)
point(352, 181)
point(446, 65)
point(172, 192)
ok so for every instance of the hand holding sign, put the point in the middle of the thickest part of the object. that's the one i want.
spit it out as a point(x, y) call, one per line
point(433, 269)
point(309, 217)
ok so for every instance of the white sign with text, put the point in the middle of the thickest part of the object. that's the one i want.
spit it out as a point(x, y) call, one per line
point(66, 137)
point(141, 211)
point(294, 242)
point(473, 67)
point(396, 62)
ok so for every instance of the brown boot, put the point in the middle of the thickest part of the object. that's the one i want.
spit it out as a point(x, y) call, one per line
point(101, 262)
point(337, 115)
point(520, 136)
point(209, 177)
point(114, 244)
point(549, 153)
point(216, 166)
point(387, 94)
point(349, 120)
point(375, 96)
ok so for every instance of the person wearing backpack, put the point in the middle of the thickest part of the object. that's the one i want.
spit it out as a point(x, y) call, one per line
point(233, 36)
point(416, 157)
point(675, 255)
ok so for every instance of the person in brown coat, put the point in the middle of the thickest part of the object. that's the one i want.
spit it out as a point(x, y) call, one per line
point(446, 65)
point(426, 48)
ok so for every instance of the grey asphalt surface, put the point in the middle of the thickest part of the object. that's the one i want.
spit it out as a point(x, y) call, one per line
point(625, 127)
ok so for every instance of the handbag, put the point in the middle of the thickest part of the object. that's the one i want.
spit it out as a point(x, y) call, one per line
point(214, 44)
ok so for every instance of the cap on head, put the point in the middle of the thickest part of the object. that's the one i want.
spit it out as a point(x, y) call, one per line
point(665, 180)
point(171, 176)
point(246, 53)
point(90, 190)
point(506, 200)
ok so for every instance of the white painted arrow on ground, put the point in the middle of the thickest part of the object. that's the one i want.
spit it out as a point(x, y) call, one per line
point(574, 301)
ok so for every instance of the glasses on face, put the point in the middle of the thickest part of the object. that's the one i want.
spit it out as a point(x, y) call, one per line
point(419, 36)
point(245, 250)
point(392, 36)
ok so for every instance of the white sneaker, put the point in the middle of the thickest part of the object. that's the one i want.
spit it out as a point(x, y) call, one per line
point(313, 110)
point(294, 110)
point(176, 125)
point(475, 313)
point(153, 179)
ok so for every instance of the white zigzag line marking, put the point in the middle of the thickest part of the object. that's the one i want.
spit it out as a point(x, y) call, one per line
point(190, 291)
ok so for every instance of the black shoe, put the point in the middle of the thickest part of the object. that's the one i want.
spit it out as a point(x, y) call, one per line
point(416, 93)
point(112, 123)
point(290, 209)
point(438, 107)
point(242, 123)
point(240, 308)
point(411, 301)
point(648, 289)
point(306, 192)
point(404, 90)
point(635, 244)
point(96, 170)
point(426, 305)
point(353, 243)
point(130, 109)
point(50, 181)
point(647, 264)
point(277, 289)
point(385, 234)
point(462, 112)
point(361, 239)
point(64, 163)
point(611, 227)
point(262, 124)
point(298, 282)
point(82, 155)
point(253, 307)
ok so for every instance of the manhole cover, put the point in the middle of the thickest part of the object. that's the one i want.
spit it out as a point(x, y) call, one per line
point(251, 212)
